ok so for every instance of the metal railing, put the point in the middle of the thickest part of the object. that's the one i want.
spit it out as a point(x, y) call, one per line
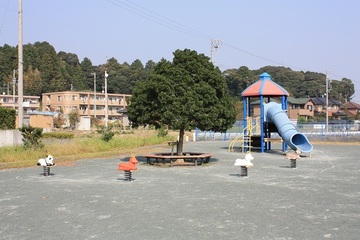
point(344, 131)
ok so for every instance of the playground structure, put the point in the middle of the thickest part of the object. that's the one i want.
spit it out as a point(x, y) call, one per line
point(272, 119)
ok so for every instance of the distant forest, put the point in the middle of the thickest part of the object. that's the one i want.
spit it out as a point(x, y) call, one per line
point(45, 70)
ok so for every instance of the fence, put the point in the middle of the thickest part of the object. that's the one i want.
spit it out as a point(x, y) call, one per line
point(336, 131)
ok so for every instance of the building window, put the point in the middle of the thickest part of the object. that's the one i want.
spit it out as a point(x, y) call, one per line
point(59, 98)
point(74, 97)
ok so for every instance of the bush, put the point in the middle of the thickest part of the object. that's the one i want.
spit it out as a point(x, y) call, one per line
point(59, 120)
point(31, 137)
point(74, 118)
point(7, 118)
point(94, 121)
point(107, 133)
point(301, 120)
point(58, 135)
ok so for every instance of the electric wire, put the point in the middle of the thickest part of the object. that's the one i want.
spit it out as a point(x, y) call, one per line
point(167, 22)
point(4, 18)
point(152, 16)
point(157, 18)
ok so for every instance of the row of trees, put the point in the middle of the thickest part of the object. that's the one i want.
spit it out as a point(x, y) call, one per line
point(298, 83)
point(45, 70)
point(48, 71)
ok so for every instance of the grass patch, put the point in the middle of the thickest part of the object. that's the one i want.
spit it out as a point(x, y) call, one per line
point(80, 147)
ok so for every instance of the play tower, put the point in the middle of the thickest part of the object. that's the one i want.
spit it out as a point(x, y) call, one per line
point(273, 118)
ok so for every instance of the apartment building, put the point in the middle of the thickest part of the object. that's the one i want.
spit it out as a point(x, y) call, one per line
point(88, 104)
point(30, 103)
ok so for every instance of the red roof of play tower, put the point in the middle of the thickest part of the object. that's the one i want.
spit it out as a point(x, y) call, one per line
point(265, 87)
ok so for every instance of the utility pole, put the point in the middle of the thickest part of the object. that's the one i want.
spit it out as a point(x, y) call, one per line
point(215, 44)
point(106, 101)
point(14, 82)
point(94, 94)
point(327, 103)
point(20, 66)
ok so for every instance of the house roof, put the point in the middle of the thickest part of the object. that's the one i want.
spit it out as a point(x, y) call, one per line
point(351, 105)
point(264, 87)
point(298, 101)
point(322, 101)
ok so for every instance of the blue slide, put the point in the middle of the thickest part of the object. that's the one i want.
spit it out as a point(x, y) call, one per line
point(287, 130)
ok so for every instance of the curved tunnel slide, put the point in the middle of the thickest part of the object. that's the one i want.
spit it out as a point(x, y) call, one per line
point(287, 130)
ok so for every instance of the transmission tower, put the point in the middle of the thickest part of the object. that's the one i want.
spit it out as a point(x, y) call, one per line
point(215, 44)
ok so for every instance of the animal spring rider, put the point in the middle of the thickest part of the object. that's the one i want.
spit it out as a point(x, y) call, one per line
point(46, 163)
point(293, 156)
point(244, 164)
point(128, 167)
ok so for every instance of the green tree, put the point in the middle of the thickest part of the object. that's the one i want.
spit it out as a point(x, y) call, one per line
point(238, 80)
point(186, 93)
point(32, 82)
point(59, 120)
point(7, 118)
point(86, 74)
point(74, 118)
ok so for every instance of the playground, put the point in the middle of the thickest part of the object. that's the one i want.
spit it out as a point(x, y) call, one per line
point(128, 198)
point(90, 200)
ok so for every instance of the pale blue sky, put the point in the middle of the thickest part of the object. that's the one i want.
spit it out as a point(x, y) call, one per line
point(305, 35)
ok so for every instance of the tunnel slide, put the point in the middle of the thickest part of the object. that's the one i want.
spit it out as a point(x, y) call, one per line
point(286, 129)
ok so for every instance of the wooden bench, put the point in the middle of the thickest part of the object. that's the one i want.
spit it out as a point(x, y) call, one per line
point(197, 158)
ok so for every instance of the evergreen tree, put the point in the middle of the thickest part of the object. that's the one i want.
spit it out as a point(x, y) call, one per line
point(186, 93)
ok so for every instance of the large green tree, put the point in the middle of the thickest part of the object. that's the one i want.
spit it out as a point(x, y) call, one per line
point(186, 93)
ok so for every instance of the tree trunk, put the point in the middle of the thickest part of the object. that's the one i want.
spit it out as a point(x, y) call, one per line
point(180, 144)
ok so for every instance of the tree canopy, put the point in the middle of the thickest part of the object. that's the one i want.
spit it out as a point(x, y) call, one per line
point(48, 71)
point(45, 70)
point(186, 93)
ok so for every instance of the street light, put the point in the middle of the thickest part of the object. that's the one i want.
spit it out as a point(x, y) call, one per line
point(94, 94)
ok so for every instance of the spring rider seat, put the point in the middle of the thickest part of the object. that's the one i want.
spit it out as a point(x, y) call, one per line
point(244, 164)
point(46, 163)
point(128, 167)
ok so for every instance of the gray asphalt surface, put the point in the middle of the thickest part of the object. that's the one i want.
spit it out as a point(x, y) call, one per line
point(317, 200)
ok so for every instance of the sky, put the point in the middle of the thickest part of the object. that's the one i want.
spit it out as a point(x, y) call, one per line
point(304, 35)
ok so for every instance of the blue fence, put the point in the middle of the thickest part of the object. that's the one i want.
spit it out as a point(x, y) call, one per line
point(345, 131)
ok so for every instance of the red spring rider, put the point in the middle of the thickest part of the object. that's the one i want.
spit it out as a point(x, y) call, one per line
point(128, 167)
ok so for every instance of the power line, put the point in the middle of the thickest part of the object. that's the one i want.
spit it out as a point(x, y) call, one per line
point(3, 21)
point(157, 18)
point(167, 22)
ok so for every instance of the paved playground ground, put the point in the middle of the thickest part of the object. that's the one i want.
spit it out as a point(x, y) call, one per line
point(320, 199)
